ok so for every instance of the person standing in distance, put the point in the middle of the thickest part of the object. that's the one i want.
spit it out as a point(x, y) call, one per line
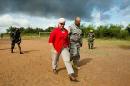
point(16, 39)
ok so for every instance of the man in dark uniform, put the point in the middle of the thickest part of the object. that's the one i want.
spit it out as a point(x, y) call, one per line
point(16, 38)
point(91, 38)
point(1, 35)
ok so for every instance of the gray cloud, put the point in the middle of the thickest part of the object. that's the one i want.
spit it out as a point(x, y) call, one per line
point(56, 8)
point(124, 4)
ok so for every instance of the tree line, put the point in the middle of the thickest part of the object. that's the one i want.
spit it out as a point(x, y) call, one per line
point(108, 31)
point(29, 30)
point(102, 31)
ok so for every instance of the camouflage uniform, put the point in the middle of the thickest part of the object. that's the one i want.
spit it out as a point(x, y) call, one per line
point(75, 43)
point(91, 37)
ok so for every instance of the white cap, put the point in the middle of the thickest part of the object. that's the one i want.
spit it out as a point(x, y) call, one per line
point(61, 20)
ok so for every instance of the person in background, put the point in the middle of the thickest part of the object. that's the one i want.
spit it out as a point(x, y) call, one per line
point(91, 38)
point(1, 35)
point(16, 39)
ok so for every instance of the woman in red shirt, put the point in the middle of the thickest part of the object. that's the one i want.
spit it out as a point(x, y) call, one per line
point(59, 43)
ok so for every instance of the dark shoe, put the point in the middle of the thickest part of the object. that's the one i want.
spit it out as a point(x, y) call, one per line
point(55, 71)
point(73, 78)
point(21, 52)
point(12, 51)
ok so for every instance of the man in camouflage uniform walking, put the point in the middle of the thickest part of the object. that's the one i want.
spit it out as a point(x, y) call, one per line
point(15, 38)
point(75, 42)
point(91, 38)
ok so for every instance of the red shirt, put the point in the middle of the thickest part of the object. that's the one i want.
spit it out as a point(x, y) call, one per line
point(59, 39)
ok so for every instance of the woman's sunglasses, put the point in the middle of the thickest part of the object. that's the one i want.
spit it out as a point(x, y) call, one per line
point(62, 23)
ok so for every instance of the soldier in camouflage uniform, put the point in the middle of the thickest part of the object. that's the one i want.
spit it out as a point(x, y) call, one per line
point(15, 38)
point(91, 38)
point(75, 42)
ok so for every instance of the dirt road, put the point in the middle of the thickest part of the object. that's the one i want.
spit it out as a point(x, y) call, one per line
point(106, 65)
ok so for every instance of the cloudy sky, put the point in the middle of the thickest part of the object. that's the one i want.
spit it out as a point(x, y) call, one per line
point(44, 13)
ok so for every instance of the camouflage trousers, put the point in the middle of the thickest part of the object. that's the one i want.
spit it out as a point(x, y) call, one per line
point(75, 53)
point(90, 44)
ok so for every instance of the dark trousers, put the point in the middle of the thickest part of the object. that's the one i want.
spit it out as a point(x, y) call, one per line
point(13, 45)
